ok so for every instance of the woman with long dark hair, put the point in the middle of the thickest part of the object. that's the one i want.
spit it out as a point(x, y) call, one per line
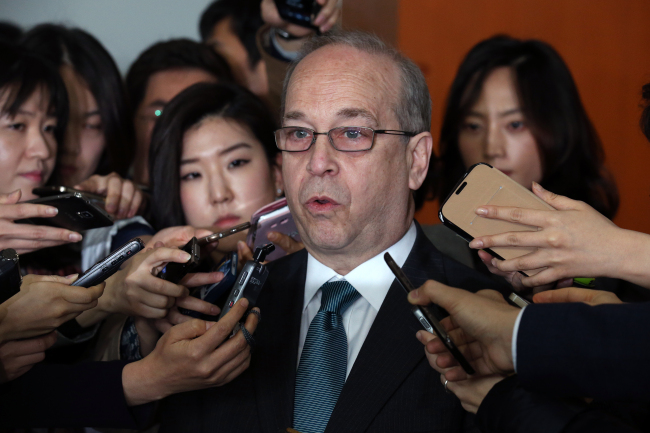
point(99, 138)
point(515, 106)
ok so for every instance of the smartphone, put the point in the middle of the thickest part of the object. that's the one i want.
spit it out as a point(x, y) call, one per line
point(216, 236)
point(76, 212)
point(426, 316)
point(47, 191)
point(174, 272)
point(109, 265)
point(518, 300)
point(10, 277)
point(251, 280)
point(301, 12)
point(274, 217)
point(213, 293)
point(485, 185)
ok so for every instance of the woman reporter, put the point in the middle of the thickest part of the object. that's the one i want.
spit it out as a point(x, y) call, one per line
point(514, 105)
point(33, 117)
point(99, 138)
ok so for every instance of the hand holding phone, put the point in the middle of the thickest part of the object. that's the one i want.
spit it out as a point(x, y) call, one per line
point(24, 238)
point(75, 212)
point(274, 217)
point(174, 272)
point(426, 316)
point(485, 185)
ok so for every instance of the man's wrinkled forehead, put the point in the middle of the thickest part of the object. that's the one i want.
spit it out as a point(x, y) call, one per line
point(364, 83)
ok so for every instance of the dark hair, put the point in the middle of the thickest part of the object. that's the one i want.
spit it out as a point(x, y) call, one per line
point(172, 54)
point(21, 74)
point(228, 101)
point(10, 32)
point(571, 152)
point(77, 48)
point(645, 116)
point(246, 20)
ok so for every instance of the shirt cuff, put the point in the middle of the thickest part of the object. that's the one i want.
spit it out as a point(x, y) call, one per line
point(515, 331)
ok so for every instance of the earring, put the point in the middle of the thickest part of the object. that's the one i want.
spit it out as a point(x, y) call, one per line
point(278, 192)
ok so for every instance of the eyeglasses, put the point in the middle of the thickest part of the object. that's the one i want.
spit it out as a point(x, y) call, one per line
point(343, 138)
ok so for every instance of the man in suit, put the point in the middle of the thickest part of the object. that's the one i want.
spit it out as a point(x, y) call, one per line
point(336, 349)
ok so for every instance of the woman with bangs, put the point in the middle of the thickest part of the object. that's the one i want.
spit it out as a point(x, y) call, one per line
point(515, 106)
point(33, 117)
point(99, 138)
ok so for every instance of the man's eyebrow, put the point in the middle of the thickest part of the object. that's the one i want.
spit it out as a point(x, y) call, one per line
point(353, 113)
point(294, 115)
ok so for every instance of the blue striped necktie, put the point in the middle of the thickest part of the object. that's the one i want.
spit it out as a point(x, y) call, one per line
point(324, 360)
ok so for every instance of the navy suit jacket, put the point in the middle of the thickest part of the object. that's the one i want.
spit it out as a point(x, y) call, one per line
point(80, 395)
point(391, 387)
point(601, 352)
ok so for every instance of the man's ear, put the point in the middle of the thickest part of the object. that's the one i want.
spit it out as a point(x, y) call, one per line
point(419, 151)
point(276, 172)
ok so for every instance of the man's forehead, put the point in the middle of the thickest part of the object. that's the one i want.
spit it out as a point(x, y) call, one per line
point(343, 80)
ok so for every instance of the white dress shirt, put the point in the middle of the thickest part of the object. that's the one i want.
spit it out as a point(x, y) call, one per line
point(371, 279)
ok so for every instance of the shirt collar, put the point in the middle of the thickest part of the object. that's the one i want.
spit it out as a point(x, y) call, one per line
point(372, 279)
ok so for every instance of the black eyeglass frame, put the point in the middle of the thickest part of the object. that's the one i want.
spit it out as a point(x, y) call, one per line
point(329, 137)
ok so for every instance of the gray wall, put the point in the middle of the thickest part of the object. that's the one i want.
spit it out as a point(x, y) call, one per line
point(124, 27)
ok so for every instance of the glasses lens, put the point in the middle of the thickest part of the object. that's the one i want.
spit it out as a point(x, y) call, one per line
point(352, 138)
point(293, 139)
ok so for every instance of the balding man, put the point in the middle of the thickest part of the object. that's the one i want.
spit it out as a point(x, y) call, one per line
point(336, 350)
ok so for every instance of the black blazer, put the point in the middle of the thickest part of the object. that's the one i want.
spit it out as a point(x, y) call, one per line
point(81, 395)
point(509, 408)
point(601, 352)
point(391, 387)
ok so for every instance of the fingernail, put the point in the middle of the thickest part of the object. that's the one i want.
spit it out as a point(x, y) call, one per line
point(494, 262)
point(319, 20)
point(481, 211)
point(51, 210)
point(537, 186)
point(186, 256)
point(71, 276)
point(214, 311)
point(414, 294)
point(272, 236)
point(75, 237)
point(240, 246)
point(418, 335)
point(209, 325)
point(244, 302)
point(476, 243)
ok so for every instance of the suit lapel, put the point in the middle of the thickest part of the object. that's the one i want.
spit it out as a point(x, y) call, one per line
point(277, 352)
point(390, 351)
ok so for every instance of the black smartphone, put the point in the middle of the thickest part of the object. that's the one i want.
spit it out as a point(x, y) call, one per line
point(426, 316)
point(10, 277)
point(301, 12)
point(108, 266)
point(174, 272)
point(251, 280)
point(47, 191)
point(216, 236)
point(76, 212)
point(214, 293)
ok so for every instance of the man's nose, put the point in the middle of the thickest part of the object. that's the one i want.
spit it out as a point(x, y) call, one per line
point(324, 158)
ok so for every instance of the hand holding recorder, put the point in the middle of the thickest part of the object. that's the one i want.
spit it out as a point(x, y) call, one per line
point(43, 304)
point(27, 238)
point(124, 199)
